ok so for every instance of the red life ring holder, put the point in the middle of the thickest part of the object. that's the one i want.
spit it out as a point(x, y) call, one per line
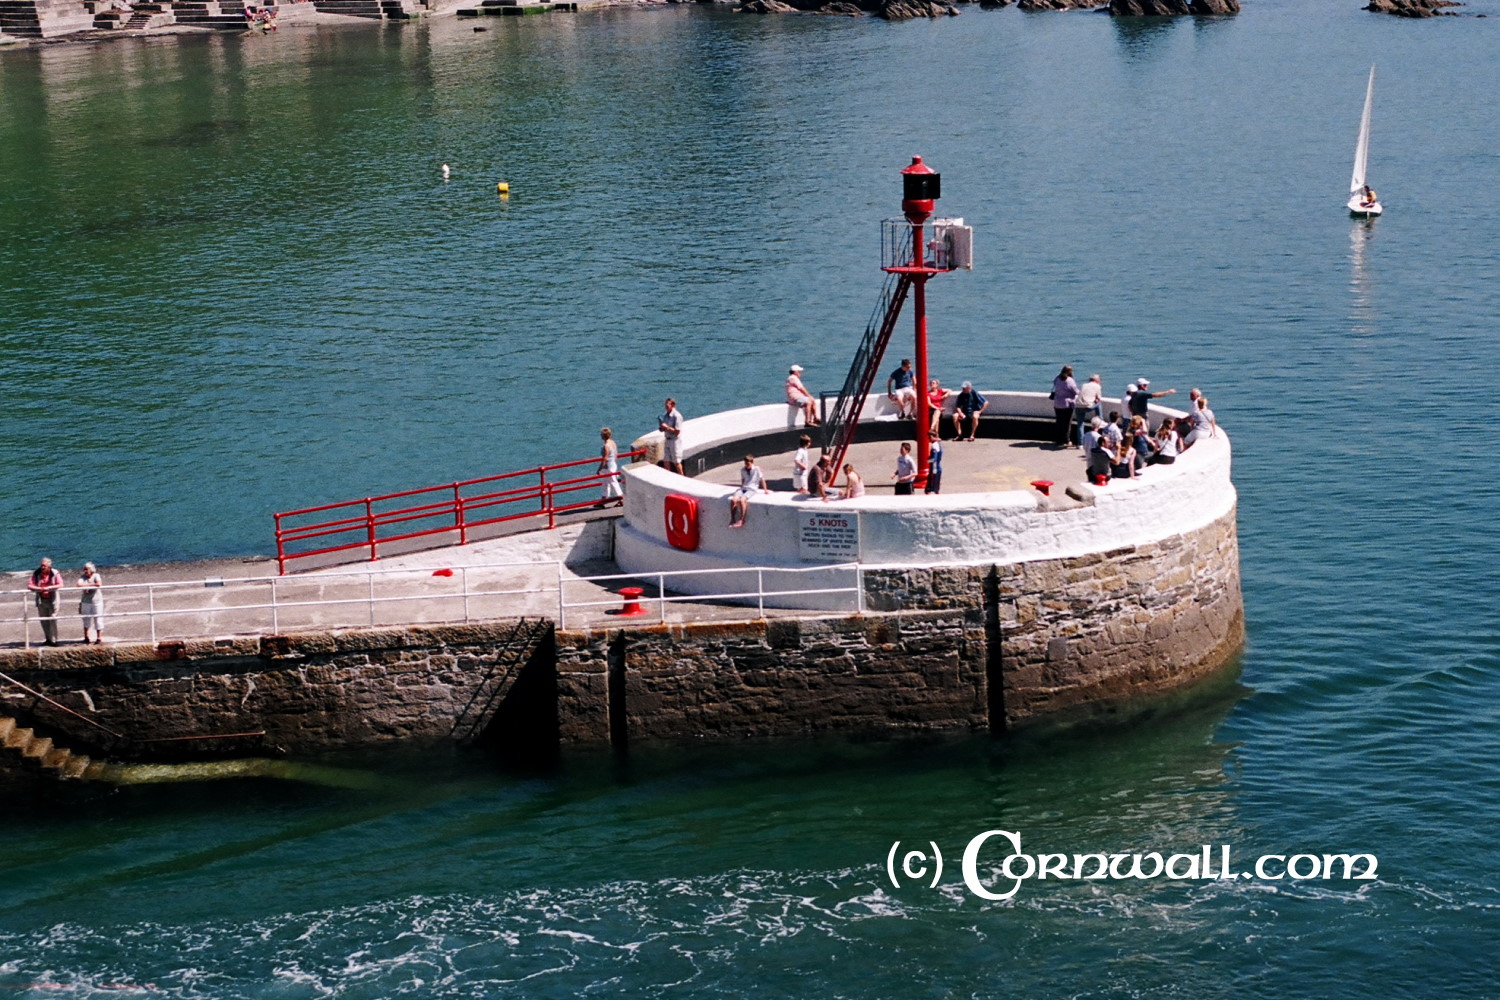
point(681, 515)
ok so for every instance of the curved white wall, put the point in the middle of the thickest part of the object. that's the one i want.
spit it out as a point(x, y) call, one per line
point(946, 529)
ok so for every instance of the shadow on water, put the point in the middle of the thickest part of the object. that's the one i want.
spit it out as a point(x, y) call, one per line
point(1143, 37)
point(197, 134)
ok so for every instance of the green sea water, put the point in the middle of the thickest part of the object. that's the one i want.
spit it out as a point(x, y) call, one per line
point(233, 281)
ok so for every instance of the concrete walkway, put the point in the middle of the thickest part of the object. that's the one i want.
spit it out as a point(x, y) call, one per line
point(517, 574)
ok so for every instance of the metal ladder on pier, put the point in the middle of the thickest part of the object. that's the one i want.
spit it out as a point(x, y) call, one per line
point(472, 721)
point(840, 425)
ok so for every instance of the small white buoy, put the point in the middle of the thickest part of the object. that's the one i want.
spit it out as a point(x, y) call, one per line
point(445, 171)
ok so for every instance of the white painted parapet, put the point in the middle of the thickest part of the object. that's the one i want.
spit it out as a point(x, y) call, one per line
point(950, 529)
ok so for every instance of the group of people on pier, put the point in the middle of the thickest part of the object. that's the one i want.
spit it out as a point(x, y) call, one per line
point(818, 478)
point(1123, 445)
point(47, 584)
point(968, 404)
point(1116, 448)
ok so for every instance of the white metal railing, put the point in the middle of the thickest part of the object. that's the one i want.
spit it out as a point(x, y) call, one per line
point(178, 609)
point(758, 594)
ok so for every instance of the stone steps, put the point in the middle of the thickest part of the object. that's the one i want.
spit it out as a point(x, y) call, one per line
point(44, 18)
point(352, 8)
point(41, 753)
point(514, 8)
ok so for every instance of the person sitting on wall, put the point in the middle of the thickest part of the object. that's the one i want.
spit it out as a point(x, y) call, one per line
point(1166, 444)
point(751, 481)
point(854, 483)
point(798, 396)
point(1114, 430)
point(1140, 440)
point(901, 388)
point(936, 397)
point(820, 479)
point(1203, 423)
point(1092, 437)
point(969, 405)
point(1122, 464)
point(1101, 457)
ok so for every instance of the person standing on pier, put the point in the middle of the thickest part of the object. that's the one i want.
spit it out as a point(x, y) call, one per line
point(90, 604)
point(906, 470)
point(670, 425)
point(609, 462)
point(801, 463)
point(1087, 406)
point(1064, 392)
point(1141, 398)
point(934, 463)
point(45, 583)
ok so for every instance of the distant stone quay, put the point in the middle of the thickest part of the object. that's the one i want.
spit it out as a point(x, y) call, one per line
point(27, 21)
point(990, 606)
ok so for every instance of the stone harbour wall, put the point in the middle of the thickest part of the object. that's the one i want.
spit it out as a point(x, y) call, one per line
point(310, 691)
point(922, 669)
point(988, 646)
point(1090, 632)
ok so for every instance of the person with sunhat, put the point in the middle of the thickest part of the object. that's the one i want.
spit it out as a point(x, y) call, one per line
point(797, 395)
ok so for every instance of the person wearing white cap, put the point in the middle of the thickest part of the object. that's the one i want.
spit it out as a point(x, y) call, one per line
point(1090, 438)
point(797, 395)
point(1143, 396)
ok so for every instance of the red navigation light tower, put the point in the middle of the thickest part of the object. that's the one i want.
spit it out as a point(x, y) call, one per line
point(950, 245)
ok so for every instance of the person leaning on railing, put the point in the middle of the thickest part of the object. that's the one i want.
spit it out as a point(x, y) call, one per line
point(45, 583)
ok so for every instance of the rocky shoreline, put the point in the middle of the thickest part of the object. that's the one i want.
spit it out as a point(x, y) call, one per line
point(904, 10)
point(304, 13)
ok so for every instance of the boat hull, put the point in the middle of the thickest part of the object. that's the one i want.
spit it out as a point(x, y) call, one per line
point(1357, 208)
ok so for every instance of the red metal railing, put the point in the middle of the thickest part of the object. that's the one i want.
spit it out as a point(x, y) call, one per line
point(365, 523)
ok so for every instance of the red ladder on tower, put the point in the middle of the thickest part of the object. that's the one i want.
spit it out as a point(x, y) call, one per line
point(840, 425)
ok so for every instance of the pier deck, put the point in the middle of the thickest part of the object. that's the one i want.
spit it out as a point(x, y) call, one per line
point(229, 597)
point(987, 465)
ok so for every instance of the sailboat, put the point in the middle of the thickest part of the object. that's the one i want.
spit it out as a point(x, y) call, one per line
point(1362, 200)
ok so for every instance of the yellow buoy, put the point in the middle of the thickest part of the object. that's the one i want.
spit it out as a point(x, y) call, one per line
point(502, 188)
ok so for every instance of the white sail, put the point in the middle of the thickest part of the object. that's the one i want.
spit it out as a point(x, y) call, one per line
point(1362, 148)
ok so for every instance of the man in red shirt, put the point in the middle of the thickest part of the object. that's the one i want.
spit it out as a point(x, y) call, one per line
point(45, 583)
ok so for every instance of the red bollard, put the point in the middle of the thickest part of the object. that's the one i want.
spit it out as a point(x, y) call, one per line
point(632, 596)
point(1044, 486)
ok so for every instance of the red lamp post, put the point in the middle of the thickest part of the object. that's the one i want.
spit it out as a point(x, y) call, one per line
point(920, 187)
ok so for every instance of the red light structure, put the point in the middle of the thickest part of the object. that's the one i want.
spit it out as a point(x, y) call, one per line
point(921, 186)
point(912, 249)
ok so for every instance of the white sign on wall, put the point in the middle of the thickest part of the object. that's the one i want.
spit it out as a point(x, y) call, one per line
point(828, 537)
